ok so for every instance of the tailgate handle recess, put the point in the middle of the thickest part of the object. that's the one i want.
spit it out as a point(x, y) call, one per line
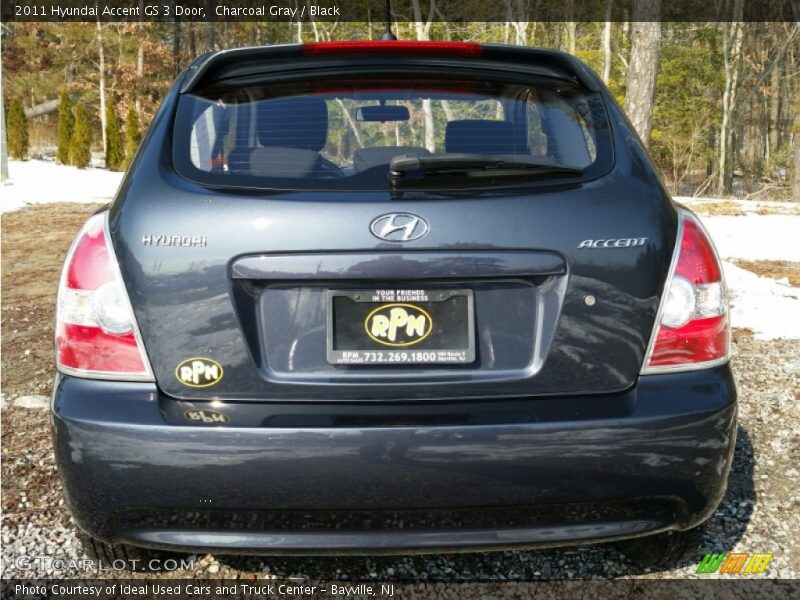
point(400, 265)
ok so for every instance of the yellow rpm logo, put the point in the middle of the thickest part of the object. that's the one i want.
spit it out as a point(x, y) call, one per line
point(199, 372)
point(398, 324)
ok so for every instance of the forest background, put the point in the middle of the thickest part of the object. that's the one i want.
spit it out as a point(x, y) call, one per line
point(718, 104)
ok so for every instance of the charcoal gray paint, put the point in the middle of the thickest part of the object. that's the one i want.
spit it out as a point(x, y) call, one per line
point(187, 303)
point(552, 414)
point(118, 453)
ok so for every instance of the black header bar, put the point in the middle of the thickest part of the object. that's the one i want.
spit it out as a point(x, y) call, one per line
point(402, 10)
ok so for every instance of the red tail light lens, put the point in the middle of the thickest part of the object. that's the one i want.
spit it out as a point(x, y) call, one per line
point(693, 328)
point(392, 47)
point(96, 333)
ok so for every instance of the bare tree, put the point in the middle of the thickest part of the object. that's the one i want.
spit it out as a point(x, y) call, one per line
point(192, 40)
point(571, 27)
point(3, 141)
point(139, 58)
point(209, 27)
point(423, 29)
point(796, 132)
point(796, 181)
point(732, 38)
point(607, 43)
point(101, 67)
point(176, 45)
point(643, 66)
point(773, 120)
point(517, 15)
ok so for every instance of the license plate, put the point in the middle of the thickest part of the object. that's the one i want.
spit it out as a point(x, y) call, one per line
point(400, 326)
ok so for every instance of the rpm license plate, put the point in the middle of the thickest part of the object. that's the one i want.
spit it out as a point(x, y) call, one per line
point(400, 326)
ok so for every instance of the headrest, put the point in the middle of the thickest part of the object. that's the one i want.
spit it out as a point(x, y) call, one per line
point(479, 137)
point(293, 123)
point(283, 162)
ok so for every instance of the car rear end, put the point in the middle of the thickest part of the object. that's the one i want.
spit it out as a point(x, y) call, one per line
point(391, 297)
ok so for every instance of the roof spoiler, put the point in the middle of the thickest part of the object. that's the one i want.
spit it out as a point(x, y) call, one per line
point(258, 60)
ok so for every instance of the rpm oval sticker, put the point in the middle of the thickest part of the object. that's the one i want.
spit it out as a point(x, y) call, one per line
point(398, 324)
point(199, 372)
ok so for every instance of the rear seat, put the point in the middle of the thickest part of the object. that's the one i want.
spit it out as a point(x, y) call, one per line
point(479, 137)
point(291, 133)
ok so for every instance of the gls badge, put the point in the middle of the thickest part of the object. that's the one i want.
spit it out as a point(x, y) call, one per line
point(398, 324)
point(199, 372)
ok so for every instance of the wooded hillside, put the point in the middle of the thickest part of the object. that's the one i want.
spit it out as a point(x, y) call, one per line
point(724, 117)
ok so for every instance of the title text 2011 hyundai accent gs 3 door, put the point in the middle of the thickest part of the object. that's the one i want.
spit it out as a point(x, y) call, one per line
point(391, 297)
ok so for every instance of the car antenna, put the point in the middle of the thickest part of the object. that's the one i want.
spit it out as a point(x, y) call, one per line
point(388, 35)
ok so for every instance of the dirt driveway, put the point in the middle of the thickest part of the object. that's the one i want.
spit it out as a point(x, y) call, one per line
point(759, 513)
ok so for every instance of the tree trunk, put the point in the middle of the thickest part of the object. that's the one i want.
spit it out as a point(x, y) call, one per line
point(3, 141)
point(643, 66)
point(607, 43)
point(101, 66)
point(350, 122)
point(796, 180)
point(774, 111)
point(515, 15)
point(46, 107)
point(176, 46)
point(430, 131)
point(570, 26)
point(448, 110)
point(732, 36)
point(571, 29)
point(192, 40)
point(521, 33)
point(139, 60)
point(140, 52)
point(209, 27)
point(422, 30)
point(796, 133)
point(785, 89)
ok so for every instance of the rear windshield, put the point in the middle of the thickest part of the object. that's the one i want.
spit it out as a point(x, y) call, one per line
point(343, 134)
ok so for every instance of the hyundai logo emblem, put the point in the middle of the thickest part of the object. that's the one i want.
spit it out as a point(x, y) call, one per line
point(399, 227)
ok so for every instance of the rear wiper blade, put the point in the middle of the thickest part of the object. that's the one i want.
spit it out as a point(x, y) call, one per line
point(415, 166)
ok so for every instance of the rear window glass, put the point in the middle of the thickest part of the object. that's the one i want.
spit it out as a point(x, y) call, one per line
point(343, 134)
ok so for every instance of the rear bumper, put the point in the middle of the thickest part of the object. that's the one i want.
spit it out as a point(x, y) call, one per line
point(552, 472)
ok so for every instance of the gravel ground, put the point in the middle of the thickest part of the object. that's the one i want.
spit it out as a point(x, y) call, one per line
point(758, 514)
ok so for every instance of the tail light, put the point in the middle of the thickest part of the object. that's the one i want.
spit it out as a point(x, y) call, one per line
point(96, 332)
point(692, 328)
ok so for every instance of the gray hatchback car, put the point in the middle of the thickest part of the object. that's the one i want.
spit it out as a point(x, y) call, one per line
point(362, 297)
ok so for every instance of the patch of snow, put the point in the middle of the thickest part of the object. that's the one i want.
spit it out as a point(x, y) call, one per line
point(755, 237)
point(771, 309)
point(44, 182)
point(37, 402)
point(744, 203)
